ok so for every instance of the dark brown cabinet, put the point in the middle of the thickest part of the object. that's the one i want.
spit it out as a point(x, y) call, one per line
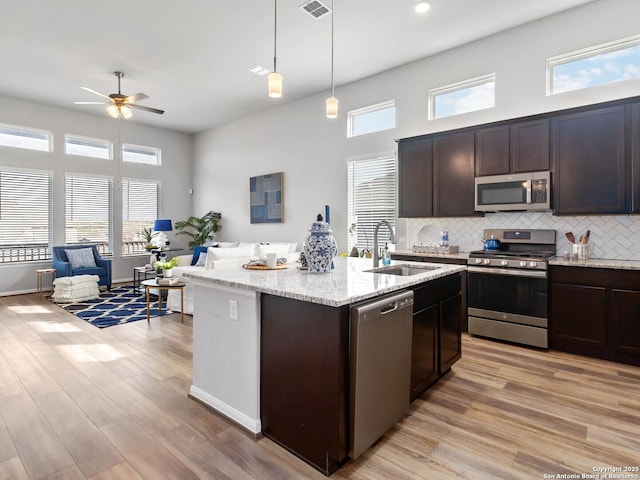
point(453, 170)
point(513, 148)
point(588, 150)
point(415, 178)
point(595, 312)
point(635, 157)
point(436, 340)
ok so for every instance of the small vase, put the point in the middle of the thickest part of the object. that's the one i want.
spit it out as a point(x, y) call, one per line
point(320, 247)
point(167, 272)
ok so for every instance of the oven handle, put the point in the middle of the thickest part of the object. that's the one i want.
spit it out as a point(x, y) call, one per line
point(505, 271)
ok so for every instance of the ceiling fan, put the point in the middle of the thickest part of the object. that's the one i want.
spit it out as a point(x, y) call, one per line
point(119, 104)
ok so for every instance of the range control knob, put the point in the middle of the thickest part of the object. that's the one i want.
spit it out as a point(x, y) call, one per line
point(533, 264)
point(478, 260)
point(486, 261)
point(504, 263)
point(523, 263)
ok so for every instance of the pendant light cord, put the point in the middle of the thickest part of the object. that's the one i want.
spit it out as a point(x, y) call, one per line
point(332, 82)
point(275, 32)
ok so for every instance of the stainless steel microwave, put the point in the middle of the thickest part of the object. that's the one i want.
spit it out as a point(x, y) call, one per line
point(519, 191)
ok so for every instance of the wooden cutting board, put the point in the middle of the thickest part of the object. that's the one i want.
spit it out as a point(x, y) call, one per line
point(282, 266)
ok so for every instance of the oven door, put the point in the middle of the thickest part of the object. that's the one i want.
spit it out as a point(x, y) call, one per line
point(518, 296)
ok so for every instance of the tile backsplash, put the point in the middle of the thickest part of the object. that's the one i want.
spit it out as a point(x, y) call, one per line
point(612, 237)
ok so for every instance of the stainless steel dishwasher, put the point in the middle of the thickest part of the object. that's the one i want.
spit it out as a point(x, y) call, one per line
point(380, 367)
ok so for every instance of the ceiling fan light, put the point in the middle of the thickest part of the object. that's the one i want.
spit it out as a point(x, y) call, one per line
point(126, 112)
point(422, 7)
point(274, 81)
point(113, 110)
point(332, 107)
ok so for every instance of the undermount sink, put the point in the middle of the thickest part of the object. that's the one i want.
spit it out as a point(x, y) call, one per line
point(403, 270)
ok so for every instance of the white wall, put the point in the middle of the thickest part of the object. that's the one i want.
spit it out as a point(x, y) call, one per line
point(175, 173)
point(312, 151)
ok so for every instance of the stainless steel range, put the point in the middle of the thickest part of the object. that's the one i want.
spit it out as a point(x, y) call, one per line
point(508, 285)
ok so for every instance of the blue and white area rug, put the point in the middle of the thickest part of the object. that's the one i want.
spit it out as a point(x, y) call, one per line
point(120, 305)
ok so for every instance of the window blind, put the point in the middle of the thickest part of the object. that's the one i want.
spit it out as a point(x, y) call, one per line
point(371, 199)
point(139, 210)
point(25, 215)
point(88, 215)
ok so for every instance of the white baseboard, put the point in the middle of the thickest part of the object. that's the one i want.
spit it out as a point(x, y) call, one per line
point(252, 424)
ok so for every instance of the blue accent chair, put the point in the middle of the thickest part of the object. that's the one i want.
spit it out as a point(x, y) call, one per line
point(63, 266)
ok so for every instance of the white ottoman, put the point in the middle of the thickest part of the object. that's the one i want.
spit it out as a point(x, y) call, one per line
point(75, 289)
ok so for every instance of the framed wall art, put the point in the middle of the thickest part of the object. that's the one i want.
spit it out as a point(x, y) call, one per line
point(265, 198)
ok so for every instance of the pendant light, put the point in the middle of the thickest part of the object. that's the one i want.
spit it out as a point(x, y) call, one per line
point(274, 80)
point(332, 102)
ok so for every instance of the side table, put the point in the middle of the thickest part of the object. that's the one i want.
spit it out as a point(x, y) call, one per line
point(138, 274)
point(40, 273)
point(153, 284)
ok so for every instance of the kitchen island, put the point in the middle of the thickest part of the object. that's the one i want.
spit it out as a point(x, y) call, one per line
point(271, 348)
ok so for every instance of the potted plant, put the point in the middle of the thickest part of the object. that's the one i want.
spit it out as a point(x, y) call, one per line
point(166, 266)
point(148, 235)
point(200, 229)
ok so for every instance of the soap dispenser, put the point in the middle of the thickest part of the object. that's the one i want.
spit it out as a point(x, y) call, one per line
point(386, 255)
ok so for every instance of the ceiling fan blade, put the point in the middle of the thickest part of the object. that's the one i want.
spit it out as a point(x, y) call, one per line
point(94, 92)
point(90, 103)
point(148, 109)
point(137, 97)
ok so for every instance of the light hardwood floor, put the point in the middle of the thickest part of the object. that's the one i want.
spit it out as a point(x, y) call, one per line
point(77, 402)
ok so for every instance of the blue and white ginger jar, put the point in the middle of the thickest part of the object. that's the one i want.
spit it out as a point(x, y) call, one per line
point(320, 247)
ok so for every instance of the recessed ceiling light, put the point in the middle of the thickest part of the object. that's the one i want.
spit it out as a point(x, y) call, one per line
point(422, 7)
point(259, 70)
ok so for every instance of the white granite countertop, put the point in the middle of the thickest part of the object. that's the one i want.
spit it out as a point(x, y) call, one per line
point(597, 263)
point(347, 283)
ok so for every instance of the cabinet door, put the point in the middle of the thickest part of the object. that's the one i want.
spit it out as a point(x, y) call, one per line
point(450, 332)
point(424, 350)
point(589, 161)
point(453, 168)
point(530, 146)
point(624, 325)
point(577, 321)
point(492, 150)
point(415, 178)
point(635, 158)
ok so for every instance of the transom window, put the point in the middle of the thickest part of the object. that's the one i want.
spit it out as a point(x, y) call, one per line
point(88, 147)
point(88, 206)
point(25, 215)
point(373, 118)
point(599, 65)
point(24, 137)
point(139, 211)
point(462, 97)
point(140, 154)
point(371, 193)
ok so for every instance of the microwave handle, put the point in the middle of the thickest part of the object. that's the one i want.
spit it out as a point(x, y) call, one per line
point(529, 186)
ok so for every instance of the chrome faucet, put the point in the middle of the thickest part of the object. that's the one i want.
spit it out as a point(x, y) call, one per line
point(376, 257)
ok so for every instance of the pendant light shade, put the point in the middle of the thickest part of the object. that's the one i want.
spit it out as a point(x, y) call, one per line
point(274, 80)
point(331, 103)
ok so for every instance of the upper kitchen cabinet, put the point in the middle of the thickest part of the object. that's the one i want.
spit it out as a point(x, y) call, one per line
point(453, 170)
point(635, 157)
point(415, 177)
point(588, 150)
point(514, 148)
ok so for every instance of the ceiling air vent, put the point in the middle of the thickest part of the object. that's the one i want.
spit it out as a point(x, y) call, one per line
point(315, 9)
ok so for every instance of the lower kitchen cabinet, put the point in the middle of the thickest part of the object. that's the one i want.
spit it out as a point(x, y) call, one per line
point(436, 345)
point(595, 312)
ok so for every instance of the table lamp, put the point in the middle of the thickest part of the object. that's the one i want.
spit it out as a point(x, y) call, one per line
point(161, 226)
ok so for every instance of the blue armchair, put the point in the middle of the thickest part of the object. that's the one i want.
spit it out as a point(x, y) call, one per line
point(64, 268)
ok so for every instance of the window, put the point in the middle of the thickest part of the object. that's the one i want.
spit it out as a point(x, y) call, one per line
point(23, 137)
point(139, 210)
point(140, 154)
point(25, 215)
point(598, 65)
point(88, 202)
point(374, 118)
point(371, 194)
point(88, 147)
point(463, 97)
